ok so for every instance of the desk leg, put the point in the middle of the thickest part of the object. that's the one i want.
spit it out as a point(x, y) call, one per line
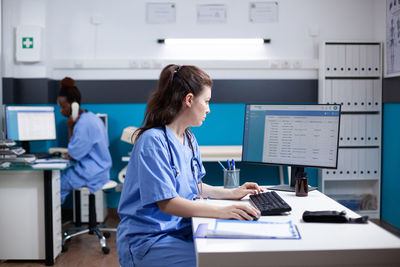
point(48, 217)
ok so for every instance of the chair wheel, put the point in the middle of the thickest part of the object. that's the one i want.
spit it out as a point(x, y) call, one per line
point(105, 250)
point(106, 234)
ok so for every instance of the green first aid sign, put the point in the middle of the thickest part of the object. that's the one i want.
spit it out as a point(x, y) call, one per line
point(27, 42)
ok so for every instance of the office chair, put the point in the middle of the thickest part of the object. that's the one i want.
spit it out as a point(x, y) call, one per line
point(93, 228)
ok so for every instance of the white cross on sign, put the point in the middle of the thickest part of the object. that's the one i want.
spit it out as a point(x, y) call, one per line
point(27, 42)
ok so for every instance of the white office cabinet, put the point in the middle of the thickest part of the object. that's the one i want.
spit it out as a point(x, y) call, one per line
point(30, 220)
point(351, 75)
point(101, 206)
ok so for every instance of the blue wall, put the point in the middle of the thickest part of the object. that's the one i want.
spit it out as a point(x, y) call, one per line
point(391, 164)
point(223, 126)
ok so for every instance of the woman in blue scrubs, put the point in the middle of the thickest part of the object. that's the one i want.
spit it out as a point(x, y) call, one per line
point(164, 176)
point(88, 145)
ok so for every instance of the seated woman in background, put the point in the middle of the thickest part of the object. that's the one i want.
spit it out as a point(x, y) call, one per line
point(164, 176)
point(88, 144)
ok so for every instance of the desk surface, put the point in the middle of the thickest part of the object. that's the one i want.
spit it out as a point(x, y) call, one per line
point(321, 243)
point(42, 167)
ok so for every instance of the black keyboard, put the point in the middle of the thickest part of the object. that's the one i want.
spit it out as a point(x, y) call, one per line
point(42, 155)
point(269, 203)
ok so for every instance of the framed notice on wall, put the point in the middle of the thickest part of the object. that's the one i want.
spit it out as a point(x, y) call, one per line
point(392, 47)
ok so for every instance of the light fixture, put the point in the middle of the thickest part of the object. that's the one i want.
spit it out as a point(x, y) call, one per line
point(214, 41)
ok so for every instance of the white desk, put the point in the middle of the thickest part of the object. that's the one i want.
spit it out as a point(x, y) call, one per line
point(321, 243)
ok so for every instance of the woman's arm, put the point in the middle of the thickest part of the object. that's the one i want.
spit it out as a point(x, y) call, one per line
point(186, 208)
point(238, 193)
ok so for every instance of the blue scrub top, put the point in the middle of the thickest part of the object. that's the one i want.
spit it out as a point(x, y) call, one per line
point(149, 179)
point(89, 147)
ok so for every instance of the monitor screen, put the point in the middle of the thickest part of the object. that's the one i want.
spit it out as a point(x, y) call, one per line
point(292, 135)
point(30, 123)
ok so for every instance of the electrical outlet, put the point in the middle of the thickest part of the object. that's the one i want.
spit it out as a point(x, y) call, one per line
point(297, 64)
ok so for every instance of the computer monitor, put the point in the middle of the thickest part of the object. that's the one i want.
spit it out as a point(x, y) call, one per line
point(298, 136)
point(30, 123)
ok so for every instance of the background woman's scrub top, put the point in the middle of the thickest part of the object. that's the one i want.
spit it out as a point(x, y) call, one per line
point(150, 178)
point(89, 147)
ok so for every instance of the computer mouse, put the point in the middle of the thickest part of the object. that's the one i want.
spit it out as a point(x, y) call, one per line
point(255, 218)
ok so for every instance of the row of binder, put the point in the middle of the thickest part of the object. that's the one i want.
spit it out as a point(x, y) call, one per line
point(353, 94)
point(360, 163)
point(344, 60)
point(360, 130)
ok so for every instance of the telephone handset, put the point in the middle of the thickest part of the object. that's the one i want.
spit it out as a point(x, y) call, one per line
point(74, 110)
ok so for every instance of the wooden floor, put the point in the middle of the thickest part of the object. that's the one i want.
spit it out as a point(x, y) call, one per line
point(83, 250)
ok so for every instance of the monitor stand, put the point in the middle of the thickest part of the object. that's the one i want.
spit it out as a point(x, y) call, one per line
point(294, 172)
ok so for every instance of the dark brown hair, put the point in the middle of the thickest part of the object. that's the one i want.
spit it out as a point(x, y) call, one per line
point(69, 90)
point(174, 84)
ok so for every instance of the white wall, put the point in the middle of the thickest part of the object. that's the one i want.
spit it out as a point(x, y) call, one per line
point(123, 42)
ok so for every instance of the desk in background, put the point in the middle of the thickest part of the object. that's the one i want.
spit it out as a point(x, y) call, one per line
point(208, 153)
point(30, 214)
point(321, 243)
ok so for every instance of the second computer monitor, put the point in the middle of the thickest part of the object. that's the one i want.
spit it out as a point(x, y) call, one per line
point(293, 135)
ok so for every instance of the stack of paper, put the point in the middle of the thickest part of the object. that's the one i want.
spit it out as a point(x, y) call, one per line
point(247, 229)
point(50, 163)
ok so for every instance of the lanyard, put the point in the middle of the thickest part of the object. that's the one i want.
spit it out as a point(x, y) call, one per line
point(194, 165)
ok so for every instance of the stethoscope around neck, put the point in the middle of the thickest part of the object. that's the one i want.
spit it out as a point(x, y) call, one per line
point(194, 164)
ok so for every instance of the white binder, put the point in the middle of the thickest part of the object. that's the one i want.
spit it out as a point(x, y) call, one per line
point(362, 95)
point(340, 169)
point(354, 131)
point(341, 70)
point(336, 92)
point(361, 129)
point(348, 131)
point(355, 99)
point(328, 92)
point(363, 60)
point(330, 59)
point(349, 60)
point(341, 164)
point(377, 94)
point(356, 60)
point(377, 163)
point(371, 163)
point(373, 130)
point(335, 60)
point(369, 92)
point(376, 60)
point(356, 159)
point(362, 159)
point(342, 135)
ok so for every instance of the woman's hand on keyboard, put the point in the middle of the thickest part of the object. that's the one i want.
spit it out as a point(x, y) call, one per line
point(239, 212)
point(245, 189)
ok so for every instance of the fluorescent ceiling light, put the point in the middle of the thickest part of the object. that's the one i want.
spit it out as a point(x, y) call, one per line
point(214, 41)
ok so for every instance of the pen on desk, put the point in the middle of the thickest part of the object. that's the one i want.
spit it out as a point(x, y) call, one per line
point(235, 178)
point(229, 164)
point(219, 162)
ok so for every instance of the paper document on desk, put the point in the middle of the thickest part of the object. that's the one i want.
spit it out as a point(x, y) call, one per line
point(247, 229)
point(50, 161)
point(49, 165)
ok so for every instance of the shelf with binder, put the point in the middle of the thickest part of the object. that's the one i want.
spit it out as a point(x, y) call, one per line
point(351, 75)
point(351, 59)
